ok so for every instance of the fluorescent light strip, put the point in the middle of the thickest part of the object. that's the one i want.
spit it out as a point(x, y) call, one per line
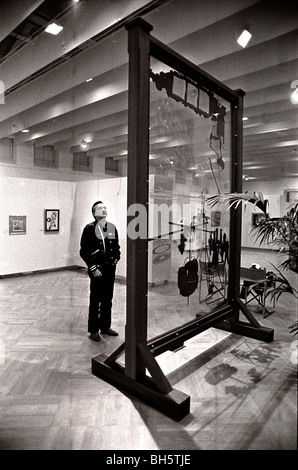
point(287, 143)
point(273, 130)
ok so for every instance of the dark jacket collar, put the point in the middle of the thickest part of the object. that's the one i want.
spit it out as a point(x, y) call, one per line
point(105, 227)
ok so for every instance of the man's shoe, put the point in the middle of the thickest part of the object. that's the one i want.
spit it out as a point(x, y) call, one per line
point(95, 337)
point(109, 332)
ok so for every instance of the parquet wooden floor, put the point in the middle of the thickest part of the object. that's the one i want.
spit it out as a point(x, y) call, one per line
point(243, 391)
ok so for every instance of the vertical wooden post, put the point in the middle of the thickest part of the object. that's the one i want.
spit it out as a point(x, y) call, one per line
point(236, 187)
point(137, 193)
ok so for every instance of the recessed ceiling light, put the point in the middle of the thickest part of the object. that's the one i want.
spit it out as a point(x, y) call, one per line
point(89, 79)
point(245, 118)
point(25, 130)
point(244, 37)
point(84, 144)
point(294, 96)
point(53, 28)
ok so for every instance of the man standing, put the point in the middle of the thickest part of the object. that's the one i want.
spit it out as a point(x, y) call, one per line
point(101, 252)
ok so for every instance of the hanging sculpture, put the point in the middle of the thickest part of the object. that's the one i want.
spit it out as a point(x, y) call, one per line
point(188, 278)
point(203, 102)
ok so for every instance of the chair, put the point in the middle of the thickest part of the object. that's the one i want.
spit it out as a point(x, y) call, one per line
point(254, 286)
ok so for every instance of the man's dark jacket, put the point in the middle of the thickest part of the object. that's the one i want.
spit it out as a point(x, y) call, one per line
point(99, 247)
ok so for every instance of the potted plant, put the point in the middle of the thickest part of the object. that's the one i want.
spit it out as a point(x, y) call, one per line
point(277, 232)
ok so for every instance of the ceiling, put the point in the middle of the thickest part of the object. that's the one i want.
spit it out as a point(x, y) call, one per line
point(45, 76)
point(31, 26)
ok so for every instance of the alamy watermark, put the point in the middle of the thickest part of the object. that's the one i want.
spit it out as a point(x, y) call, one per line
point(165, 218)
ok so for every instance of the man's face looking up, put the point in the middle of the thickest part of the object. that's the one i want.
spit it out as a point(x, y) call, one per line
point(100, 211)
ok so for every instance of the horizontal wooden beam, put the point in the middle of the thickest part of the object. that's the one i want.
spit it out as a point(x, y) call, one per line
point(173, 59)
point(174, 404)
point(173, 339)
point(244, 329)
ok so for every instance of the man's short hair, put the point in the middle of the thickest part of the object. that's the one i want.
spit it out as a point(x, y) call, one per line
point(94, 205)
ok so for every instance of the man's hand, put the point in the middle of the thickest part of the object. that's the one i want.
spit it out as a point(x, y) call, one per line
point(97, 273)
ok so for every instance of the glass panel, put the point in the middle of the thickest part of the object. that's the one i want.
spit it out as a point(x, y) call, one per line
point(188, 240)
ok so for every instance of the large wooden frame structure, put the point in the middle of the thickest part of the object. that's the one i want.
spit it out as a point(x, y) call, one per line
point(139, 352)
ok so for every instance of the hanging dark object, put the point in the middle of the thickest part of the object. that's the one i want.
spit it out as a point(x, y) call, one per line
point(213, 175)
point(217, 134)
point(181, 246)
point(188, 278)
point(260, 203)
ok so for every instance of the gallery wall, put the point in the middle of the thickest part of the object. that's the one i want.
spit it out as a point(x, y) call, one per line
point(27, 190)
point(35, 249)
point(40, 250)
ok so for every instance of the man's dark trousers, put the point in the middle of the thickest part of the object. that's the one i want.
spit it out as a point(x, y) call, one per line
point(100, 301)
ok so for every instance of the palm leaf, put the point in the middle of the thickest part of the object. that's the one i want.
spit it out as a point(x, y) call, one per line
point(235, 199)
point(282, 286)
point(272, 231)
point(294, 328)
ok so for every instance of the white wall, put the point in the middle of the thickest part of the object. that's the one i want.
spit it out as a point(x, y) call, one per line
point(27, 190)
point(270, 187)
point(36, 249)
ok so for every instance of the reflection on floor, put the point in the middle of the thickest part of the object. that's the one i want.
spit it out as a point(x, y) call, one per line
point(243, 391)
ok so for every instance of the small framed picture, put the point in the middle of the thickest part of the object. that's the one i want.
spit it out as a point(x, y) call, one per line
point(52, 220)
point(258, 218)
point(17, 224)
point(215, 218)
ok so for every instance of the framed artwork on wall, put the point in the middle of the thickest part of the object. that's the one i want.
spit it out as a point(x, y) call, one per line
point(215, 218)
point(52, 220)
point(257, 219)
point(17, 224)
